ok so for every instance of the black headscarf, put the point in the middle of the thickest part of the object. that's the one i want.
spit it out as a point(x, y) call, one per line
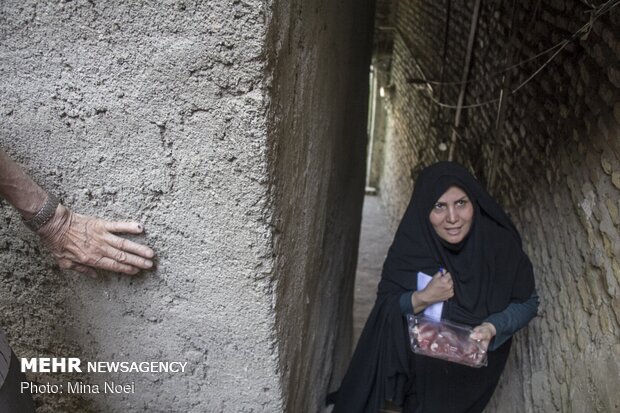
point(489, 269)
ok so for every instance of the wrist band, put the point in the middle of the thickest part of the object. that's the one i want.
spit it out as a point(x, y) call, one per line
point(44, 214)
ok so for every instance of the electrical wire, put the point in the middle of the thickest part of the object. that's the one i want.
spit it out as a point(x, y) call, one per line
point(489, 76)
point(473, 105)
point(582, 33)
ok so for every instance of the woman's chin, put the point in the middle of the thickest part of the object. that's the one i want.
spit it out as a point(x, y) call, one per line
point(453, 239)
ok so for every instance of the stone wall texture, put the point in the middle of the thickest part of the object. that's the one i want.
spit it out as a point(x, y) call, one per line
point(551, 155)
point(232, 131)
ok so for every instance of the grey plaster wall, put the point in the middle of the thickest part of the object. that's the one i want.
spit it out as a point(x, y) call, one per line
point(319, 63)
point(153, 111)
point(235, 130)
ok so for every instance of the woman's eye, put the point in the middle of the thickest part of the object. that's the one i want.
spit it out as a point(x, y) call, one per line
point(461, 202)
point(438, 206)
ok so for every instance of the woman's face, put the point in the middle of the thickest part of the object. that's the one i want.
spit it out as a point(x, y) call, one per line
point(452, 215)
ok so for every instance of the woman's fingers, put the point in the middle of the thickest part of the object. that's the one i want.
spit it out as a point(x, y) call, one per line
point(67, 264)
point(82, 269)
point(109, 264)
point(119, 249)
point(123, 257)
point(84, 243)
point(123, 227)
point(124, 244)
point(483, 333)
point(112, 253)
point(448, 285)
point(441, 287)
point(120, 261)
point(446, 280)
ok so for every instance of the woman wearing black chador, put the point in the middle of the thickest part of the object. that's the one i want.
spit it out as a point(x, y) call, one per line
point(453, 229)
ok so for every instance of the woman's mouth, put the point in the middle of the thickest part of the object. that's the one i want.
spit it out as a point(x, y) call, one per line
point(453, 231)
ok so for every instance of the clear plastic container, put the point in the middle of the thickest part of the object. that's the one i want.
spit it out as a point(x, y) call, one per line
point(445, 340)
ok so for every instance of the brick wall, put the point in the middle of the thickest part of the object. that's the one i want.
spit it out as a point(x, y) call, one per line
point(554, 163)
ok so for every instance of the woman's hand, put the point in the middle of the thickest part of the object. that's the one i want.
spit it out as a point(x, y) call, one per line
point(84, 243)
point(484, 333)
point(440, 288)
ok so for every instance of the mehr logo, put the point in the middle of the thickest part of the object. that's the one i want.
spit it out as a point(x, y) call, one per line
point(51, 365)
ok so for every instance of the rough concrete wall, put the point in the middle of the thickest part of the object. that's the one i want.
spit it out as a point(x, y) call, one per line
point(554, 163)
point(319, 61)
point(153, 111)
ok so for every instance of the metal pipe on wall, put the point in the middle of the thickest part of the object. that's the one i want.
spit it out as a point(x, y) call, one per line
point(466, 69)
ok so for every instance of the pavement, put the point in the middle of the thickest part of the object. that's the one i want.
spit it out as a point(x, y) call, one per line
point(375, 240)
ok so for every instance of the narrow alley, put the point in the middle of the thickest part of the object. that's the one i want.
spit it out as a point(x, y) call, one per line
point(375, 239)
point(243, 134)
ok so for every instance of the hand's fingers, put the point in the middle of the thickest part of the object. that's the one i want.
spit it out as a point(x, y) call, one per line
point(82, 269)
point(446, 283)
point(65, 264)
point(484, 343)
point(124, 227)
point(124, 244)
point(124, 257)
point(476, 336)
point(109, 264)
point(481, 333)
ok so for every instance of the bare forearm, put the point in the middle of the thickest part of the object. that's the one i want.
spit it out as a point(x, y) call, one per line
point(77, 242)
point(18, 189)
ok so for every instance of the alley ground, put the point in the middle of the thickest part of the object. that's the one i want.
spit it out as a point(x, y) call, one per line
point(375, 240)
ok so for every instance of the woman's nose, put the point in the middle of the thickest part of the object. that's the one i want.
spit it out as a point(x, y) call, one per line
point(452, 215)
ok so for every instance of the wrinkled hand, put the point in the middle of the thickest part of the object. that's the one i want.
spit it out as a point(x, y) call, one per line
point(85, 243)
point(440, 288)
point(484, 333)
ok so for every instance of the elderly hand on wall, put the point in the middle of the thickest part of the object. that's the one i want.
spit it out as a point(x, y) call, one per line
point(83, 243)
point(78, 242)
